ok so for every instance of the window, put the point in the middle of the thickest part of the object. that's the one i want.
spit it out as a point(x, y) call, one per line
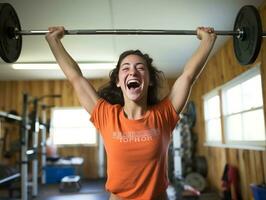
point(243, 109)
point(242, 113)
point(212, 117)
point(71, 126)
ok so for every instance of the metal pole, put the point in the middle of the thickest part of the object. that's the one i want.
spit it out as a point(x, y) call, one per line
point(35, 147)
point(43, 144)
point(24, 146)
point(126, 32)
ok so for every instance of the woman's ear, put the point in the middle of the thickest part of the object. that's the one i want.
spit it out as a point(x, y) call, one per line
point(117, 83)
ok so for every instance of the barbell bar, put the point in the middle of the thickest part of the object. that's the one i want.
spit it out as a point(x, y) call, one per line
point(247, 33)
point(238, 33)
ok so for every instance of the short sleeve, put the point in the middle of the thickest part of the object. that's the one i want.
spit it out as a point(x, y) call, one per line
point(101, 113)
point(168, 112)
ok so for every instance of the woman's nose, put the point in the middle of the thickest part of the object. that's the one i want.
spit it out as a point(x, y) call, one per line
point(132, 71)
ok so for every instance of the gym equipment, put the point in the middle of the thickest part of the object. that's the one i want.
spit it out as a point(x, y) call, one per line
point(247, 33)
point(35, 133)
point(196, 180)
point(190, 113)
point(27, 124)
point(8, 173)
point(247, 47)
point(9, 117)
point(70, 184)
point(200, 165)
point(9, 147)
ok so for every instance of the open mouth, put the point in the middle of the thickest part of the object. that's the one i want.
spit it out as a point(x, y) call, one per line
point(133, 84)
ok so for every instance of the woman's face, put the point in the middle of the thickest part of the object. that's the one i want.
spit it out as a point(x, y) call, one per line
point(133, 78)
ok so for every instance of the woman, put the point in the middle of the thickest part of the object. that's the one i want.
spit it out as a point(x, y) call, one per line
point(135, 126)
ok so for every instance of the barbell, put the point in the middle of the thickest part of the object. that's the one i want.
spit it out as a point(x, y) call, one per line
point(247, 33)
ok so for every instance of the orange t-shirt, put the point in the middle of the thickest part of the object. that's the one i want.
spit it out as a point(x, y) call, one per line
point(136, 149)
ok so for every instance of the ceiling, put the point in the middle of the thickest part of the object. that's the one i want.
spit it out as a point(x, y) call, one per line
point(169, 52)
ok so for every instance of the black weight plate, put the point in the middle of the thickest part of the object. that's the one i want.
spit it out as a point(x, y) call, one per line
point(10, 47)
point(247, 47)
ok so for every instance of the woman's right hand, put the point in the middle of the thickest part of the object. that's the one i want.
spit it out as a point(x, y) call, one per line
point(55, 32)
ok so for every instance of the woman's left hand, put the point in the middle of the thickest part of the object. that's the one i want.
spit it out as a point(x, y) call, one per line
point(206, 33)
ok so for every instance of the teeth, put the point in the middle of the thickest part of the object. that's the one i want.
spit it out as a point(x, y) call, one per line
point(133, 81)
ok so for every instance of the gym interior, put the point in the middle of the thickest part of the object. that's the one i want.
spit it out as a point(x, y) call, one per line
point(49, 150)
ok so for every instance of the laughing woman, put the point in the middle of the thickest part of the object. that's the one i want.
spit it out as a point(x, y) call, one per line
point(136, 127)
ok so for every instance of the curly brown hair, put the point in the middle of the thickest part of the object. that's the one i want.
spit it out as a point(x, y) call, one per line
point(113, 94)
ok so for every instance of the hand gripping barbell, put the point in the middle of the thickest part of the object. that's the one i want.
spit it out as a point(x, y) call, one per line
point(247, 34)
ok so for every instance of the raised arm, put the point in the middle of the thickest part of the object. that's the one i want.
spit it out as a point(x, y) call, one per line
point(84, 90)
point(182, 86)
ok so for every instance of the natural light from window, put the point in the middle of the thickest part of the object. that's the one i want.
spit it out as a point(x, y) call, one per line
point(212, 118)
point(243, 109)
point(71, 126)
point(234, 114)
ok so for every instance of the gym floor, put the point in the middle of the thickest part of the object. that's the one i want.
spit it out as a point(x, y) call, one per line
point(90, 190)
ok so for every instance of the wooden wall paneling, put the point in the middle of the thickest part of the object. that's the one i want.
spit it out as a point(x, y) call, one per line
point(212, 166)
point(235, 157)
point(245, 189)
point(31, 88)
point(7, 97)
point(13, 91)
point(18, 100)
point(215, 169)
point(75, 100)
point(22, 88)
point(47, 90)
point(242, 173)
point(252, 172)
point(259, 167)
point(2, 95)
point(220, 164)
point(69, 93)
point(19, 97)
point(264, 165)
point(58, 90)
